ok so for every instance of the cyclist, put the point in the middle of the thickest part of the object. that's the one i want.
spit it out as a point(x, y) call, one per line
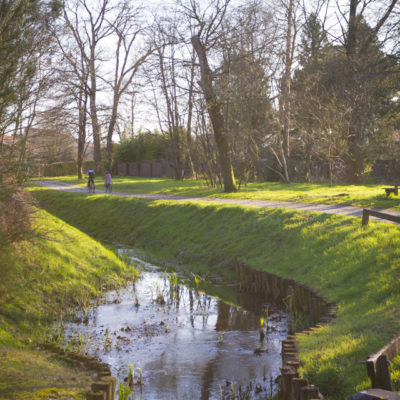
point(91, 175)
point(107, 181)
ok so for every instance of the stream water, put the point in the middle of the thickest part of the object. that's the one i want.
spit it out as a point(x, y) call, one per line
point(188, 344)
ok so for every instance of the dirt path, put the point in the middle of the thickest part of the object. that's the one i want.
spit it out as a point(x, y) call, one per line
point(322, 208)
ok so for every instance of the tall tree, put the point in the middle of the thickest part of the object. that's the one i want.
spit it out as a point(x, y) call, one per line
point(359, 42)
point(208, 22)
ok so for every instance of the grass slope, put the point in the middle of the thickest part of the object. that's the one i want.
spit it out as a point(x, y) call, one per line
point(356, 195)
point(356, 267)
point(59, 269)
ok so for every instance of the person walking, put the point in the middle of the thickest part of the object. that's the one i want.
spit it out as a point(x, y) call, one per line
point(107, 182)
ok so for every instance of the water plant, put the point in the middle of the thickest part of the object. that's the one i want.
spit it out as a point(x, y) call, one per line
point(197, 279)
point(261, 329)
point(125, 392)
point(220, 339)
point(160, 296)
point(107, 341)
point(173, 278)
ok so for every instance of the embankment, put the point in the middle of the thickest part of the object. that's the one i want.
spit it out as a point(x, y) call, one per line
point(56, 270)
point(356, 267)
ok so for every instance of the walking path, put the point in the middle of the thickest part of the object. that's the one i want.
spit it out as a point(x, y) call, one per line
point(322, 208)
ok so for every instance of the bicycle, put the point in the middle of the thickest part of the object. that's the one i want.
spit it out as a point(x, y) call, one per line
point(90, 186)
point(108, 188)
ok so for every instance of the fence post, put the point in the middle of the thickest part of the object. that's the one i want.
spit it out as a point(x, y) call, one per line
point(92, 395)
point(309, 392)
point(382, 370)
point(365, 217)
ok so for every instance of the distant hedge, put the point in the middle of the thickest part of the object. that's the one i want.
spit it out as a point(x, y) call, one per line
point(62, 168)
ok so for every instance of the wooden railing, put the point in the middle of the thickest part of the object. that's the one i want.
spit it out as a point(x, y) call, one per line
point(368, 212)
point(378, 365)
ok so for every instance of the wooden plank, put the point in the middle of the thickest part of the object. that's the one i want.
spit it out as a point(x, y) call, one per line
point(378, 214)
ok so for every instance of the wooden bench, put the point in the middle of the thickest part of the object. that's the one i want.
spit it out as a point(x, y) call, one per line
point(394, 190)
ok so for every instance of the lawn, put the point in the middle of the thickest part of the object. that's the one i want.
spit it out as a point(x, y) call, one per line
point(356, 195)
point(356, 267)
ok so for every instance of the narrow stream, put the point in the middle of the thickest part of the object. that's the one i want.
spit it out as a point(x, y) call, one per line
point(188, 344)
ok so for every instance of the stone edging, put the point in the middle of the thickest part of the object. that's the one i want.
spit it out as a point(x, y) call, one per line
point(101, 389)
point(302, 298)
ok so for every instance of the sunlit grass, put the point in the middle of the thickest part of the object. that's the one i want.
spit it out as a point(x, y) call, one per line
point(356, 267)
point(356, 195)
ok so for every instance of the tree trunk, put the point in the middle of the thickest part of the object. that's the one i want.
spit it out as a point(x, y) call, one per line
point(286, 92)
point(214, 111)
point(82, 107)
point(111, 126)
point(354, 159)
point(95, 121)
point(355, 156)
point(189, 170)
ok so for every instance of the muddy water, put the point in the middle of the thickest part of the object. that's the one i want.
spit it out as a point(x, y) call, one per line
point(188, 344)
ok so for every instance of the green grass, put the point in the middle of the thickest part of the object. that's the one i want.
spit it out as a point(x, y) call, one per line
point(356, 267)
point(58, 270)
point(356, 195)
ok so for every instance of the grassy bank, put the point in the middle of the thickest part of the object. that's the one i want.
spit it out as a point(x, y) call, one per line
point(356, 267)
point(58, 270)
point(356, 195)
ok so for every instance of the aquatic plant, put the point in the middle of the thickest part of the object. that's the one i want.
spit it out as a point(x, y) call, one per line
point(261, 329)
point(124, 392)
point(173, 278)
point(108, 341)
point(160, 297)
point(57, 334)
point(197, 279)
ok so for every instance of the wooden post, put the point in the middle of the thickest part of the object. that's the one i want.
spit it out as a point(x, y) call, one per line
point(92, 395)
point(287, 378)
point(103, 386)
point(293, 364)
point(309, 392)
point(382, 372)
point(113, 382)
point(102, 374)
point(365, 217)
point(297, 384)
point(371, 373)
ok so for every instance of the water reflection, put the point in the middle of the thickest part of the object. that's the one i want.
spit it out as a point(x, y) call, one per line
point(189, 345)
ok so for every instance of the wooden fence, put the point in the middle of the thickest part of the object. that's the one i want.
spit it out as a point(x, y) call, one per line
point(378, 365)
point(377, 214)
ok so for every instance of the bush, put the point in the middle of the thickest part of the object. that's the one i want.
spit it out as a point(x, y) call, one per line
point(141, 147)
point(63, 168)
point(15, 210)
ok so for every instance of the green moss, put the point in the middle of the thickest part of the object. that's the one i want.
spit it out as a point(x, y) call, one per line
point(356, 267)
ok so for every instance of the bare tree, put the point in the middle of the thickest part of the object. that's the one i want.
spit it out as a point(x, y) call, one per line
point(128, 28)
point(89, 26)
point(207, 22)
point(73, 76)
